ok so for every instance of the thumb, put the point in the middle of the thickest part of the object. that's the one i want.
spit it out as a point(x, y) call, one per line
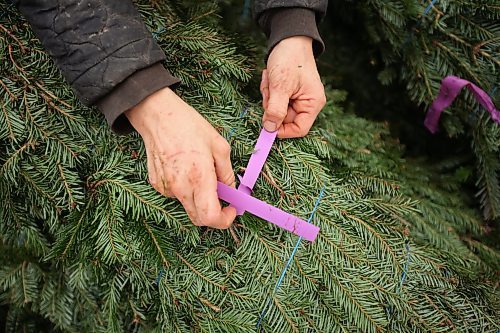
point(276, 110)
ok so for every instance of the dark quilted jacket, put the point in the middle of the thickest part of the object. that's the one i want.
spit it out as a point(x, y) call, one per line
point(106, 53)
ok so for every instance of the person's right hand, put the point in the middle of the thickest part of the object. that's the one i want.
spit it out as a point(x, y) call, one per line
point(185, 156)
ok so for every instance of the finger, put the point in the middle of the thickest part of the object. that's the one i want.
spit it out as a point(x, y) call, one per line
point(276, 110)
point(290, 116)
point(184, 193)
point(222, 160)
point(186, 198)
point(299, 127)
point(264, 89)
point(208, 206)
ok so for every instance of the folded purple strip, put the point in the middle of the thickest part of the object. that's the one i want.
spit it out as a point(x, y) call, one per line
point(267, 212)
point(256, 163)
point(450, 88)
point(258, 158)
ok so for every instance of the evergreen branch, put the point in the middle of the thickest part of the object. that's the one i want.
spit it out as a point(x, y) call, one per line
point(459, 60)
point(284, 314)
point(43, 131)
point(13, 157)
point(476, 26)
point(341, 250)
point(9, 125)
point(381, 240)
point(218, 285)
point(12, 96)
point(66, 186)
point(166, 263)
point(345, 291)
point(11, 35)
point(135, 195)
point(444, 316)
point(26, 77)
point(37, 187)
point(474, 49)
point(51, 103)
point(74, 231)
point(111, 212)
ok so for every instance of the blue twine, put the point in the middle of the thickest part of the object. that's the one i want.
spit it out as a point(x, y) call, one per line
point(160, 275)
point(404, 275)
point(424, 13)
point(429, 7)
point(242, 114)
point(405, 268)
point(158, 31)
point(285, 269)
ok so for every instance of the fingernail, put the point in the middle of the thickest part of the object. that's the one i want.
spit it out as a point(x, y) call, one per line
point(270, 126)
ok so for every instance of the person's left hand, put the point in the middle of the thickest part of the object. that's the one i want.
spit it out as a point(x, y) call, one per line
point(292, 92)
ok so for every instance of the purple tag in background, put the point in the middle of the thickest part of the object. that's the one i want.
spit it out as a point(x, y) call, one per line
point(450, 88)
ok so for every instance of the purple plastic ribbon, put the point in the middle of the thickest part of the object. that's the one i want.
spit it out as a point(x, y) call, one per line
point(242, 200)
point(450, 88)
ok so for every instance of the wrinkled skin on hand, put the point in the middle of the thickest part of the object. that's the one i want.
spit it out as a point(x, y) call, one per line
point(185, 156)
point(291, 88)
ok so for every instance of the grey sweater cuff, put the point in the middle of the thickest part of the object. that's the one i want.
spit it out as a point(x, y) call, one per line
point(281, 23)
point(131, 92)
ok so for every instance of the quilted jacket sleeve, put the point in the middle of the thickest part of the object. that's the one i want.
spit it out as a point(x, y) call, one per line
point(104, 51)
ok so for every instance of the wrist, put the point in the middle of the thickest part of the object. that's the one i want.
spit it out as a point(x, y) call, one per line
point(297, 45)
point(150, 110)
point(297, 41)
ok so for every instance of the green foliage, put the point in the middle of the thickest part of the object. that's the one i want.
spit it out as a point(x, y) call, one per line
point(83, 236)
point(419, 46)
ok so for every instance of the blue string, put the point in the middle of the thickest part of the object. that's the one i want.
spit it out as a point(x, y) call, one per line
point(283, 272)
point(405, 268)
point(424, 13)
point(429, 7)
point(242, 114)
point(160, 275)
point(158, 31)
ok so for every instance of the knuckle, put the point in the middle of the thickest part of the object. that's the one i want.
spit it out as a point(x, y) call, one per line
point(224, 225)
point(303, 131)
point(275, 112)
point(195, 222)
point(322, 99)
point(277, 83)
point(222, 146)
point(211, 220)
point(175, 188)
point(229, 179)
point(277, 77)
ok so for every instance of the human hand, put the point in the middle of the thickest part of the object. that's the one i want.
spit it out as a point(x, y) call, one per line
point(292, 92)
point(185, 156)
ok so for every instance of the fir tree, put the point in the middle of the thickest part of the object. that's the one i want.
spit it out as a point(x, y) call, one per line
point(89, 246)
point(421, 42)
